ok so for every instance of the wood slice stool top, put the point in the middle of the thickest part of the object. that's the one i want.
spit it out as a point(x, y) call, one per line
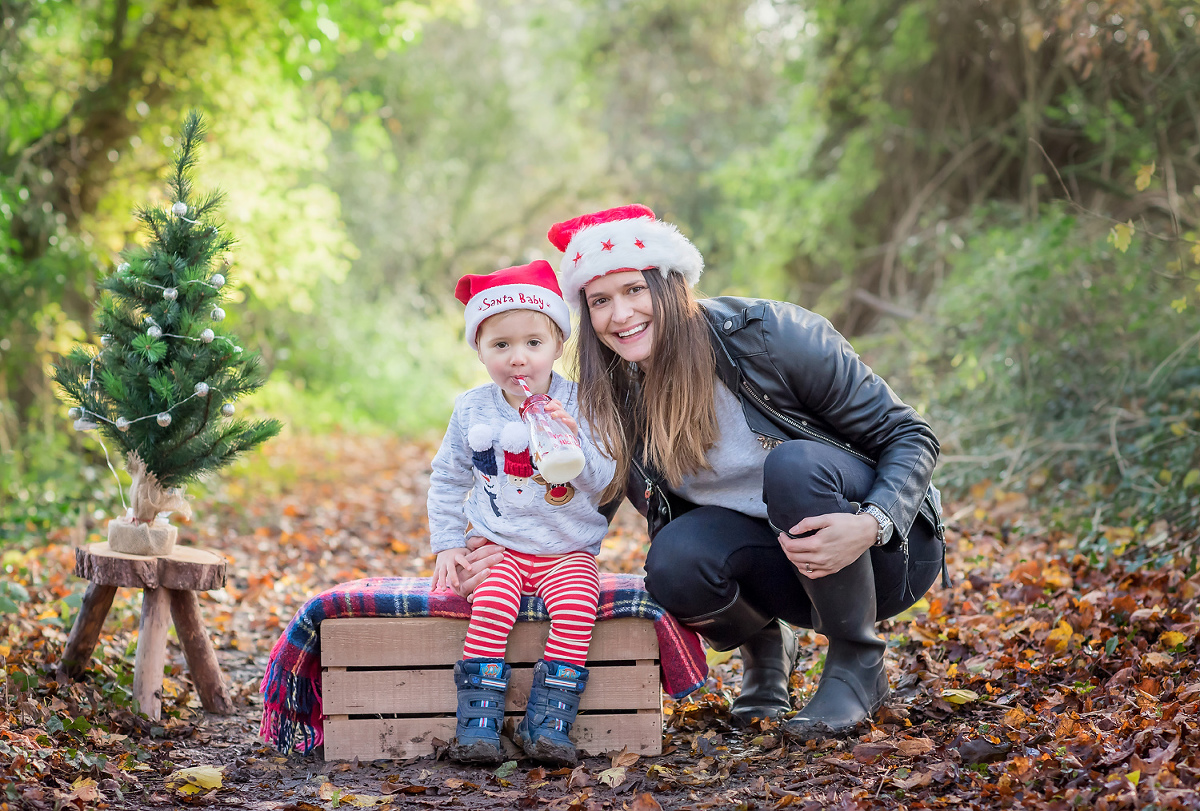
point(169, 584)
point(187, 567)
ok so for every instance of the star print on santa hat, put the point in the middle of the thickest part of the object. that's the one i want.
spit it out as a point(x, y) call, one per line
point(523, 287)
point(617, 239)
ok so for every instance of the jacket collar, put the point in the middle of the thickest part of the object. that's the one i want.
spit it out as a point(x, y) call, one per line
point(727, 370)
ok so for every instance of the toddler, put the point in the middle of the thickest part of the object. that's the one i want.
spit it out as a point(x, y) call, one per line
point(484, 483)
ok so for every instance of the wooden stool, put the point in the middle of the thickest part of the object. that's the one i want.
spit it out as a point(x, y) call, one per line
point(169, 585)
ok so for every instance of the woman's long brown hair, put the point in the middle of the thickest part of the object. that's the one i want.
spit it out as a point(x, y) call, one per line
point(667, 407)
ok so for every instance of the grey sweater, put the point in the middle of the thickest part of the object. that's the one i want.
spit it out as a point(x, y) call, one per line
point(518, 512)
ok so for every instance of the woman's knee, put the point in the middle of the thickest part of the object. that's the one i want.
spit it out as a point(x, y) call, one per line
point(802, 478)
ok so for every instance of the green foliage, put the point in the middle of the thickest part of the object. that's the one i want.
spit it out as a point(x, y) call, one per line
point(180, 369)
point(1053, 365)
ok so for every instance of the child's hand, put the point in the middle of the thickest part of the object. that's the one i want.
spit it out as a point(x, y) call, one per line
point(445, 574)
point(555, 409)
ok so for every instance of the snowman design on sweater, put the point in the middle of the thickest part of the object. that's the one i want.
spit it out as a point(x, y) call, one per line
point(520, 483)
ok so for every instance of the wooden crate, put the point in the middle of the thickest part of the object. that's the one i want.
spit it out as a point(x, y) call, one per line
point(388, 688)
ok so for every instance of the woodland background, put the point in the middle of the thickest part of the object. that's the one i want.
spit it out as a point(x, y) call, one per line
point(998, 201)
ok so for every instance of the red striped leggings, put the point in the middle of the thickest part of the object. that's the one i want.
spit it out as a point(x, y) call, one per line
point(568, 584)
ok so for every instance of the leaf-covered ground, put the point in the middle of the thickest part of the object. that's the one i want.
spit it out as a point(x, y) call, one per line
point(1034, 681)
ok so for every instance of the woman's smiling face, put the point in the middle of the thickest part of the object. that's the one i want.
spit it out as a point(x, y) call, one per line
point(622, 313)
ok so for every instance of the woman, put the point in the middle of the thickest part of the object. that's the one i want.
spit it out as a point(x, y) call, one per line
point(783, 482)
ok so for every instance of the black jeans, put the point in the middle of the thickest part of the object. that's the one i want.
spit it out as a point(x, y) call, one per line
point(698, 563)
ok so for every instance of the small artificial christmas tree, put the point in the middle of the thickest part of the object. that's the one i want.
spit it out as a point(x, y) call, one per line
point(163, 383)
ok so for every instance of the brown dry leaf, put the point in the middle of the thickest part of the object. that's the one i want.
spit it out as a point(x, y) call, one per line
point(914, 780)
point(644, 802)
point(579, 778)
point(625, 758)
point(457, 783)
point(911, 747)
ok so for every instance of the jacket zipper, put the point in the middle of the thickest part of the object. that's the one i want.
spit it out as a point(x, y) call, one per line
point(650, 489)
point(804, 429)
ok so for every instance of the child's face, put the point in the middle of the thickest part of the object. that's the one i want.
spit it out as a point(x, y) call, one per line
point(519, 343)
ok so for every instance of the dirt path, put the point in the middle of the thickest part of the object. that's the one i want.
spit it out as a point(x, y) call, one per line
point(1035, 681)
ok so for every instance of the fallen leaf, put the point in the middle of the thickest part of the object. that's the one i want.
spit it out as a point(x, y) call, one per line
point(960, 696)
point(195, 779)
point(910, 747)
point(506, 768)
point(579, 777)
point(644, 802)
point(625, 758)
point(981, 750)
point(612, 777)
point(1171, 639)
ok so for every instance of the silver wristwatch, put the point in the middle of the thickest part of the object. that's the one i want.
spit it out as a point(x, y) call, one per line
point(885, 524)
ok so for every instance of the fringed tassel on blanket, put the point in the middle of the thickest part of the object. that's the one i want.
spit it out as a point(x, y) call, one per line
point(291, 716)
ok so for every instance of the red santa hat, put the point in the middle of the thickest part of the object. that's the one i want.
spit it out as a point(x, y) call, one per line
point(514, 441)
point(616, 239)
point(524, 287)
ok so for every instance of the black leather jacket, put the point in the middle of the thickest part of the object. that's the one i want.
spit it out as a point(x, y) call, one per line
point(798, 378)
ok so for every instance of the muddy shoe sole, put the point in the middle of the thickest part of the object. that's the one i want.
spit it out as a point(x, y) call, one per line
point(477, 752)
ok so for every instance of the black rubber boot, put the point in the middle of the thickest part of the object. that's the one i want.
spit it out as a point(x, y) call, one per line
point(853, 684)
point(728, 627)
point(768, 649)
point(768, 659)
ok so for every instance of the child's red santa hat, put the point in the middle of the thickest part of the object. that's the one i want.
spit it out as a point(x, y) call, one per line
point(524, 287)
point(616, 239)
point(514, 441)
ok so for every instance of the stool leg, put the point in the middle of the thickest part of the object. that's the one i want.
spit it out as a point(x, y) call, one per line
point(85, 632)
point(198, 651)
point(151, 652)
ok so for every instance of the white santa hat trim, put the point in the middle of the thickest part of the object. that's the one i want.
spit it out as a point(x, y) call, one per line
point(626, 238)
point(514, 437)
point(480, 437)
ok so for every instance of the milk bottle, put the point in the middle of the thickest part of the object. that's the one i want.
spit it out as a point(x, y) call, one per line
point(555, 450)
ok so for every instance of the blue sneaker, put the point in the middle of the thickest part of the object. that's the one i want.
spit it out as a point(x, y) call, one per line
point(481, 686)
point(550, 715)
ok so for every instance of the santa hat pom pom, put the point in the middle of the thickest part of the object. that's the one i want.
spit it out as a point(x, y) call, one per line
point(480, 437)
point(514, 437)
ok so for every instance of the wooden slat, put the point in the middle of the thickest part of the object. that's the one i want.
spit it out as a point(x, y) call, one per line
point(417, 641)
point(397, 738)
point(411, 692)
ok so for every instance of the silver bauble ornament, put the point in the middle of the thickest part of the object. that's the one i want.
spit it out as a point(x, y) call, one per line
point(217, 314)
point(170, 294)
point(123, 267)
point(164, 419)
point(122, 424)
point(207, 336)
point(179, 209)
point(227, 409)
point(106, 340)
point(74, 413)
point(155, 331)
point(201, 389)
point(217, 280)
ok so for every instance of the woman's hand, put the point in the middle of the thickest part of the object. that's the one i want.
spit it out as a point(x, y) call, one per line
point(837, 540)
point(555, 409)
point(445, 574)
point(475, 565)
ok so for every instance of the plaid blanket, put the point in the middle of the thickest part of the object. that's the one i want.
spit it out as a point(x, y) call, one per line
point(291, 687)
